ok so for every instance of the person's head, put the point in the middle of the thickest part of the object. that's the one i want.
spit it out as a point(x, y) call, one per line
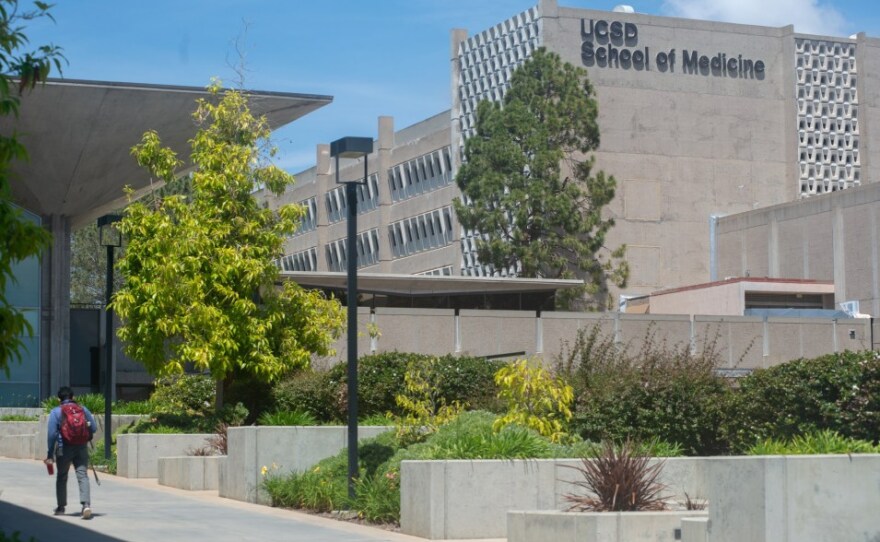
point(65, 393)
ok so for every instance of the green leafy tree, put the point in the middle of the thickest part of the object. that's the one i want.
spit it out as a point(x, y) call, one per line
point(528, 183)
point(200, 279)
point(19, 71)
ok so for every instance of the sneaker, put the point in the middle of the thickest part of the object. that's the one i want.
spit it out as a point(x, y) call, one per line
point(86, 512)
point(59, 511)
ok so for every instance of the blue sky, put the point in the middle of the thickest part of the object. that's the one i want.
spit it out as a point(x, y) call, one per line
point(379, 57)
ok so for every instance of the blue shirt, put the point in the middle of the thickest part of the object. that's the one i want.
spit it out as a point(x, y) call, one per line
point(54, 436)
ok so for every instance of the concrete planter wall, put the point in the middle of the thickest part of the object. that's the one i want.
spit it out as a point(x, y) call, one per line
point(788, 498)
point(471, 499)
point(137, 455)
point(117, 421)
point(282, 449)
point(19, 439)
point(195, 473)
point(541, 526)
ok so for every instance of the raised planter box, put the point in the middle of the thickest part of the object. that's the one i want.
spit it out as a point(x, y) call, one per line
point(281, 449)
point(458, 499)
point(195, 473)
point(543, 526)
point(19, 439)
point(137, 454)
point(809, 497)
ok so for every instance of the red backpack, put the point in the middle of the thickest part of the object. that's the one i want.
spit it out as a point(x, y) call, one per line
point(74, 426)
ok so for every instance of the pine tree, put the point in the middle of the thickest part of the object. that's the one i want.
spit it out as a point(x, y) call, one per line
point(529, 186)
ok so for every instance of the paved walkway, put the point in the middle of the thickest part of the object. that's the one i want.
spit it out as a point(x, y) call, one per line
point(143, 511)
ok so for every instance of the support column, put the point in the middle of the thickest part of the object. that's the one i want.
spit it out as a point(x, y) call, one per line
point(383, 163)
point(56, 307)
point(323, 183)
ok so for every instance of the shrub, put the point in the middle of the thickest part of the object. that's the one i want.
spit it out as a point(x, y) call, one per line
point(661, 391)
point(18, 418)
point(424, 410)
point(380, 380)
point(190, 394)
point(92, 401)
point(97, 459)
point(839, 392)
point(313, 392)
point(287, 417)
point(822, 442)
point(95, 403)
point(618, 479)
point(534, 398)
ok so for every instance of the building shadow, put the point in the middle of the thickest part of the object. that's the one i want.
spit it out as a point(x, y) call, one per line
point(46, 527)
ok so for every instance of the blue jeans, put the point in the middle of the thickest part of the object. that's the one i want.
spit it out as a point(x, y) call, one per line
point(79, 456)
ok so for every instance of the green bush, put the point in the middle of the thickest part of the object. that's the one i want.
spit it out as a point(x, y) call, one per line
point(822, 442)
point(14, 537)
point(190, 394)
point(661, 391)
point(838, 392)
point(18, 418)
point(380, 379)
point(311, 391)
point(97, 459)
point(287, 417)
point(95, 403)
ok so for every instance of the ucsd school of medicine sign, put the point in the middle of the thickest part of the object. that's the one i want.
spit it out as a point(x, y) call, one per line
point(615, 44)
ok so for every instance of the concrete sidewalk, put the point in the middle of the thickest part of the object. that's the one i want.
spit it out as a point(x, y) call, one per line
point(143, 511)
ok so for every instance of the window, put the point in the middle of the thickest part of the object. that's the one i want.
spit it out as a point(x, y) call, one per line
point(366, 251)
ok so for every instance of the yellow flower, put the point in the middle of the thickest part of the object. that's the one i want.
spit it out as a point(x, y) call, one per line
point(264, 470)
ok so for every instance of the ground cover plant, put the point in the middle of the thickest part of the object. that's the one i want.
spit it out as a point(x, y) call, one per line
point(820, 442)
point(18, 418)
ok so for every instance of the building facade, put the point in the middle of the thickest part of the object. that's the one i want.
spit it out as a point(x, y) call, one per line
point(698, 120)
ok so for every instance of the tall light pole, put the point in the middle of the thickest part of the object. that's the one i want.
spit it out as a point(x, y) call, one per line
point(352, 147)
point(111, 238)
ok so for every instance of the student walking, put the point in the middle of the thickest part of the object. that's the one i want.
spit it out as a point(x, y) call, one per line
point(71, 427)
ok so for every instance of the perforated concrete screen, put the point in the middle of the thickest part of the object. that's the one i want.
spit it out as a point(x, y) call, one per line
point(827, 109)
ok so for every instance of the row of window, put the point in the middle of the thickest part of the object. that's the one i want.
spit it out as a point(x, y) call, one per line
point(419, 175)
point(307, 260)
point(439, 272)
point(419, 233)
point(310, 221)
point(409, 236)
point(367, 251)
point(367, 199)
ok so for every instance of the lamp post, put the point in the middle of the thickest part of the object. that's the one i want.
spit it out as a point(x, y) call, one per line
point(111, 238)
point(352, 147)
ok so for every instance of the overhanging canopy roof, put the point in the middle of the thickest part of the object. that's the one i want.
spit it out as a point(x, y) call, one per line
point(79, 135)
point(426, 285)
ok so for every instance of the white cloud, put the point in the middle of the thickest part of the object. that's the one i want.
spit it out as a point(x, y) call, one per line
point(807, 16)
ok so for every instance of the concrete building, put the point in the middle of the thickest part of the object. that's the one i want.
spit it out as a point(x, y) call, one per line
point(698, 120)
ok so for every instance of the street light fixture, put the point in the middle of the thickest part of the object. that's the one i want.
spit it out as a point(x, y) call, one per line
point(111, 238)
point(352, 147)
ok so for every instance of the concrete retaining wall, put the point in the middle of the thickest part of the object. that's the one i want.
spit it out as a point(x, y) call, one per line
point(744, 342)
point(282, 449)
point(137, 454)
point(777, 498)
point(458, 499)
point(195, 473)
point(543, 526)
point(19, 439)
point(117, 421)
